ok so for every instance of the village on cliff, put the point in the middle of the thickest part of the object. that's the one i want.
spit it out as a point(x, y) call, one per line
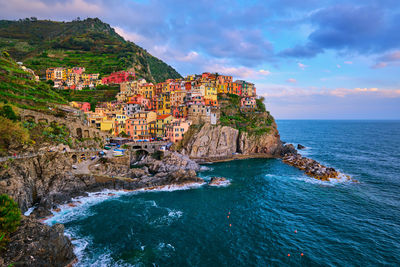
point(145, 111)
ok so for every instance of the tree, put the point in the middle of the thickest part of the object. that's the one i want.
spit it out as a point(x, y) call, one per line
point(123, 134)
point(8, 112)
point(10, 217)
point(13, 135)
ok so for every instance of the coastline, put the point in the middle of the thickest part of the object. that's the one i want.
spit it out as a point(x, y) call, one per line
point(209, 160)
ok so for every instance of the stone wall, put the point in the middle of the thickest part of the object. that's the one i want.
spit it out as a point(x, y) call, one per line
point(77, 128)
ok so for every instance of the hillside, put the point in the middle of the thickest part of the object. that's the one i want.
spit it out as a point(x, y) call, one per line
point(19, 87)
point(90, 43)
point(257, 122)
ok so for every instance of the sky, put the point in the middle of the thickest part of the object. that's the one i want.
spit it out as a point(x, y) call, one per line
point(310, 59)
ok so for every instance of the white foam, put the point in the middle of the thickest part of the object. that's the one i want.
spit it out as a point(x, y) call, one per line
point(205, 168)
point(175, 213)
point(170, 188)
point(29, 211)
point(343, 179)
point(78, 208)
point(221, 183)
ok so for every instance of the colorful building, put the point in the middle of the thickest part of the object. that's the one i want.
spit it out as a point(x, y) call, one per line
point(137, 126)
point(161, 123)
point(118, 77)
point(176, 130)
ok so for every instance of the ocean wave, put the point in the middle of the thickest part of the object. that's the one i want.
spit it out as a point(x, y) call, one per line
point(343, 179)
point(205, 168)
point(175, 213)
point(168, 219)
point(78, 208)
point(170, 188)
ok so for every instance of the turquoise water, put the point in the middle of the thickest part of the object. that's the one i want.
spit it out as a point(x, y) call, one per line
point(274, 210)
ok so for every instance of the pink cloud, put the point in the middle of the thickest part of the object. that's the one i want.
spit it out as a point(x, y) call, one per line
point(302, 66)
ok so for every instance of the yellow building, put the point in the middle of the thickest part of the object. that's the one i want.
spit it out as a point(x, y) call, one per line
point(56, 74)
point(147, 90)
point(106, 125)
point(164, 104)
point(211, 93)
point(161, 123)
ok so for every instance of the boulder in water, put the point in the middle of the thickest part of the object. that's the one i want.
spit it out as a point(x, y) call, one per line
point(218, 181)
point(299, 146)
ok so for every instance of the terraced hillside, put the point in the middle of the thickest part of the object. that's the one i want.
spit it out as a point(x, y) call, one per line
point(90, 43)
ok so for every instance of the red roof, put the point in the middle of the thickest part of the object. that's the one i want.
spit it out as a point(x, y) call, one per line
point(162, 117)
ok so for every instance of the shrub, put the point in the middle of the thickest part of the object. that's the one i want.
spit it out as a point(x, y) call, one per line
point(8, 112)
point(158, 155)
point(12, 134)
point(10, 217)
point(260, 104)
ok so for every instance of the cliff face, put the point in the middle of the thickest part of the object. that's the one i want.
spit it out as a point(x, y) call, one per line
point(212, 141)
point(222, 142)
point(37, 244)
point(48, 180)
point(32, 180)
point(269, 143)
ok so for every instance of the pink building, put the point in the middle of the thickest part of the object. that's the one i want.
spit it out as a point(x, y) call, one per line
point(141, 100)
point(177, 129)
point(118, 77)
point(248, 102)
point(78, 70)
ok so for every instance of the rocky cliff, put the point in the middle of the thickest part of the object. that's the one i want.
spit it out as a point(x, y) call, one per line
point(35, 244)
point(48, 180)
point(211, 143)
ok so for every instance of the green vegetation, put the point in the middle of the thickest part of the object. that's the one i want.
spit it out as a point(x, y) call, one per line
point(257, 122)
point(8, 112)
point(10, 217)
point(90, 43)
point(158, 155)
point(13, 135)
point(104, 93)
point(19, 87)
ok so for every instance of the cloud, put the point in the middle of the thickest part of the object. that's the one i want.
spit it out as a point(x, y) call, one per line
point(302, 51)
point(302, 66)
point(264, 72)
point(348, 62)
point(241, 72)
point(54, 9)
point(391, 58)
point(347, 28)
point(291, 80)
point(338, 66)
point(283, 90)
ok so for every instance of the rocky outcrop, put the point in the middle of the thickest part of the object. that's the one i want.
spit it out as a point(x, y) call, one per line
point(299, 146)
point(171, 162)
point(268, 144)
point(311, 167)
point(212, 143)
point(36, 244)
point(48, 180)
point(218, 181)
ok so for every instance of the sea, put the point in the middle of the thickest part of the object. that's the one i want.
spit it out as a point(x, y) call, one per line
point(270, 214)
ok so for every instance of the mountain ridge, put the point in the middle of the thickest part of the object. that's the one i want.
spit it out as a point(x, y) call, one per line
point(90, 43)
